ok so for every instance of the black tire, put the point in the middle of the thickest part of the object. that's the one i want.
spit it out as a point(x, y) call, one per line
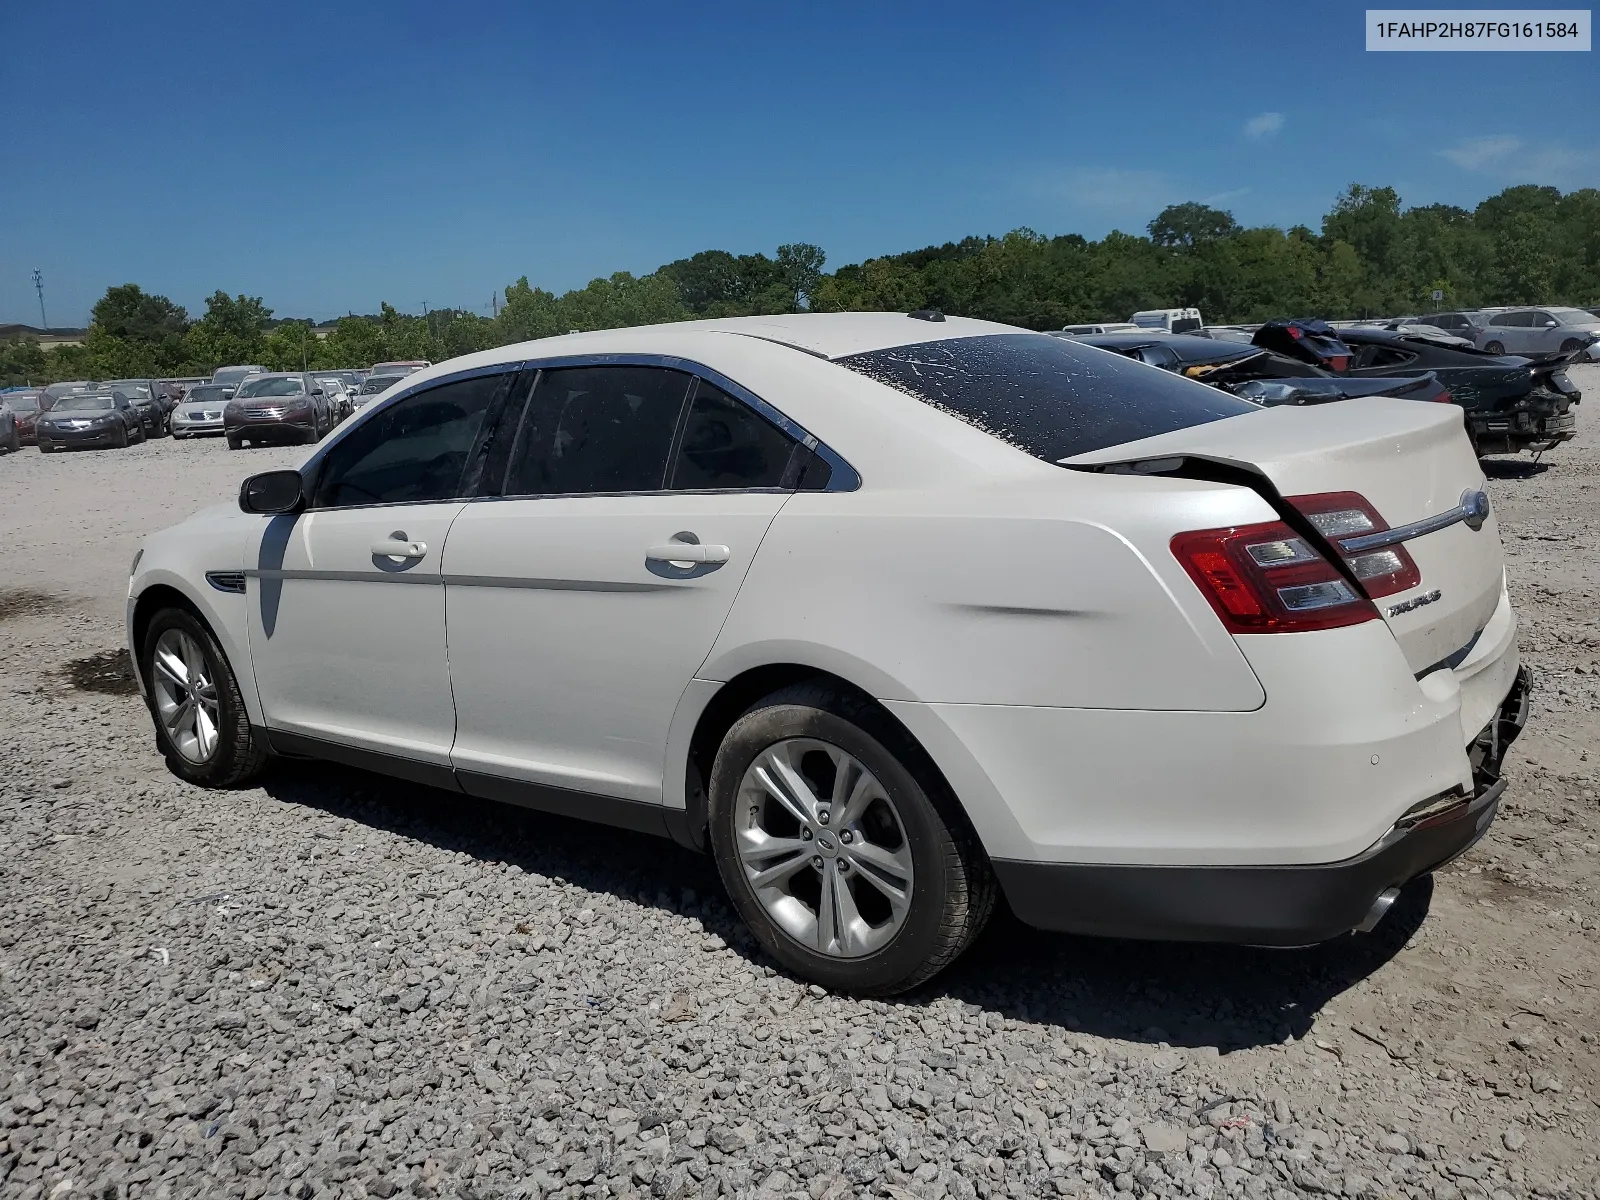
point(954, 890)
point(240, 756)
point(15, 444)
point(234, 442)
point(143, 436)
point(1494, 348)
point(1571, 344)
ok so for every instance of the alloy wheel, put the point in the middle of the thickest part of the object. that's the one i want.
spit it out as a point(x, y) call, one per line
point(823, 848)
point(186, 695)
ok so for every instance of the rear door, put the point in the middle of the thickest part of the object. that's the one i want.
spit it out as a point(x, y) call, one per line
point(582, 601)
point(1364, 471)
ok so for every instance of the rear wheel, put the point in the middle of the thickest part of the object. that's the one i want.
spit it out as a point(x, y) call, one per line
point(1494, 347)
point(841, 847)
point(202, 727)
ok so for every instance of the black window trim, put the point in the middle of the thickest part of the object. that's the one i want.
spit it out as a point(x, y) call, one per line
point(472, 480)
point(842, 476)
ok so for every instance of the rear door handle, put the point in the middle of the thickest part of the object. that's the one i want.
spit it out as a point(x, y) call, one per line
point(396, 548)
point(687, 552)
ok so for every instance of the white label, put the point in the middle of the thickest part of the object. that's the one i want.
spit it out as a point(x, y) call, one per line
point(1477, 29)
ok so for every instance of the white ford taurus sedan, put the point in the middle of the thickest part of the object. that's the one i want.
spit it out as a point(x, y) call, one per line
point(892, 614)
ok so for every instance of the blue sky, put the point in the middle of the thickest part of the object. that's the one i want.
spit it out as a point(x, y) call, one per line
point(326, 156)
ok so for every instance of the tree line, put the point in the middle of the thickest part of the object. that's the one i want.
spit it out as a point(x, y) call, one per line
point(1372, 256)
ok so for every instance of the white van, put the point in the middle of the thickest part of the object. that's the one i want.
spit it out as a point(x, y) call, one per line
point(1172, 320)
point(1102, 327)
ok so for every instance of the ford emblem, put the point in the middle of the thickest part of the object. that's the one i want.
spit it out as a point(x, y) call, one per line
point(1475, 504)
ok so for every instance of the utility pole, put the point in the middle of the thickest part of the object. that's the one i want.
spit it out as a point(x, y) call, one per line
point(494, 303)
point(38, 286)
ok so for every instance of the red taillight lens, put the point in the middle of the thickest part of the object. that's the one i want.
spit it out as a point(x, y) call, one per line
point(1338, 515)
point(1444, 397)
point(1267, 579)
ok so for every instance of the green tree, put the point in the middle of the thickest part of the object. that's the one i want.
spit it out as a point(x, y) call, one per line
point(801, 266)
point(1191, 224)
point(291, 346)
point(234, 330)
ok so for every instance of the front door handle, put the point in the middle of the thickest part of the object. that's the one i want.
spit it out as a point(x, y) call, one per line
point(392, 547)
point(687, 552)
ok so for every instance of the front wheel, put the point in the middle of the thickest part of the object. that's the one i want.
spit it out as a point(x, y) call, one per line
point(233, 442)
point(202, 727)
point(14, 444)
point(1494, 348)
point(840, 844)
point(1571, 344)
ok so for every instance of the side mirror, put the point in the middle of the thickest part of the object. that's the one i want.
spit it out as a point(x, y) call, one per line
point(273, 492)
point(316, 391)
point(1550, 324)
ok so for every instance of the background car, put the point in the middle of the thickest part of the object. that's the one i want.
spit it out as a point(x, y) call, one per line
point(141, 393)
point(200, 410)
point(1540, 331)
point(403, 367)
point(24, 406)
point(90, 418)
point(338, 391)
point(234, 376)
point(1511, 404)
point(288, 406)
point(373, 387)
point(1103, 327)
point(1468, 323)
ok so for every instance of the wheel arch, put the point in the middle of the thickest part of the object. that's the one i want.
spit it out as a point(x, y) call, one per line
point(716, 706)
point(167, 591)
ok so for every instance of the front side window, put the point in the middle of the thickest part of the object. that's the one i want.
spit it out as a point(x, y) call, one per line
point(413, 451)
point(1505, 320)
point(727, 444)
point(1052, 397)
point(597, 429)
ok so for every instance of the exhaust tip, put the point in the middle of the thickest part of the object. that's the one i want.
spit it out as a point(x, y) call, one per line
point(1380, 909)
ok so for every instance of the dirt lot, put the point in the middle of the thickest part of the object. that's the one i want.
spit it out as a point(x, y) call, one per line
point(340, 985)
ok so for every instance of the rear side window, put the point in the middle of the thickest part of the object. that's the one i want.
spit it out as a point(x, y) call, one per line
point(727, 444)
point(598, 429)
point(410, 452)
point(1052, 397)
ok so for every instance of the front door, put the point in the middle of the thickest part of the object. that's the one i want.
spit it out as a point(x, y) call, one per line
point(582, 602)
point(346, 599)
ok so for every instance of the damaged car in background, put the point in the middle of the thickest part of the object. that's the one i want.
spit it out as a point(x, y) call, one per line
point(1511, 403)
point(1258, 375)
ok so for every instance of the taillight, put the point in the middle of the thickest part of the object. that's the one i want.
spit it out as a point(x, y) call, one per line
point(1267, 579)
point(1338, 515)
point(1444, 397)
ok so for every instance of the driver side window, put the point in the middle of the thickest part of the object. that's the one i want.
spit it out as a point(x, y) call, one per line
point(413, 452)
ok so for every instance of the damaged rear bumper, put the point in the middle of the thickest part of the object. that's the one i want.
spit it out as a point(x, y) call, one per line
point(1271, 905)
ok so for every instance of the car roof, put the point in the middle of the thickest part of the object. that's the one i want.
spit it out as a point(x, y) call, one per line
point(823, 335)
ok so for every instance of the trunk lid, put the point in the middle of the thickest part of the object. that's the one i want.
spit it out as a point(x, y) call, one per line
point(1411, 462)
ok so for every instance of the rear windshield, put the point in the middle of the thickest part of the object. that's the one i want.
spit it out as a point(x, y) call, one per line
point(1052, 397)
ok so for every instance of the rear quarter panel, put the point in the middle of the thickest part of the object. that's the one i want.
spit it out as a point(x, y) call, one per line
point(1059, 591)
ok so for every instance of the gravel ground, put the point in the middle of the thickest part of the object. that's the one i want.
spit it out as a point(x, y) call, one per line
point(339, 985)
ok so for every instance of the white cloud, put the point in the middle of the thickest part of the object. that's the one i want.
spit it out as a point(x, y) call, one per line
point(1509, 158)
point(1482, 153)
point(1115, 188)
point(1263, 126)
point(1223, 197)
